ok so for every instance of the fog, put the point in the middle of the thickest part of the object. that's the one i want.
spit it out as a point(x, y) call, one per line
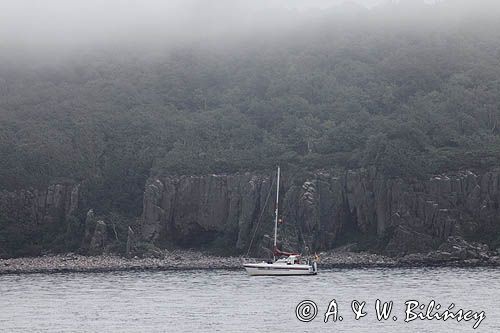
point(37, 23)
point(52, 29)
point(63, 22)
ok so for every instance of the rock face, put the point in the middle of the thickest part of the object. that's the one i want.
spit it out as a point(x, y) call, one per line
point(95, 234)
point(194, 210)
point(320, 212)
point(28, 216)
point(131, 242)
point(99, 238)
point(50, 206)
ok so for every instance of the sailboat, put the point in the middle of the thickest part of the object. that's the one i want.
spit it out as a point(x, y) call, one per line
point(284, 263)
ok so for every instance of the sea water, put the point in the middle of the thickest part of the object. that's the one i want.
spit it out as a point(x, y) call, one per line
point(337, 300)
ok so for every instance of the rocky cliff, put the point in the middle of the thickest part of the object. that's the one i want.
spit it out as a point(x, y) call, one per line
point(322, 211)
point(49, 206)
point(193, 210)
point(319, 211)
point(31, 219)
point(34, 220)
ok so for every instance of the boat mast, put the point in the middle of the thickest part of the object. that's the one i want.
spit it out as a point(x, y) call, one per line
point(276, 212)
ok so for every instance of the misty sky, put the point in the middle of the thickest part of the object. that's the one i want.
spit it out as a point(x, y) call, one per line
point(28, 23)
point(65, 20)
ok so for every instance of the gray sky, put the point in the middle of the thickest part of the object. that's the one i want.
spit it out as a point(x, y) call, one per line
point(49, 23)
point(67, 22)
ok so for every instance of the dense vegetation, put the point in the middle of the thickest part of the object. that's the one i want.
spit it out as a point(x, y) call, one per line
point(411, 97)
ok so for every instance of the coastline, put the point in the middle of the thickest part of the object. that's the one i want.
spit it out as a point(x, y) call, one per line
point(192, 260)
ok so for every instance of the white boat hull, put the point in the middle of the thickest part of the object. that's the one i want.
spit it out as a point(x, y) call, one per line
point(279, 269)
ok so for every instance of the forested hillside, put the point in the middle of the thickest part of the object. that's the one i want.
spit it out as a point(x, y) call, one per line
point(413, 96)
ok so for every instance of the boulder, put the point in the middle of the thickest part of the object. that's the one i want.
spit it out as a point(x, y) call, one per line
point(131, 242)
point(406, 240)
point(99, 238)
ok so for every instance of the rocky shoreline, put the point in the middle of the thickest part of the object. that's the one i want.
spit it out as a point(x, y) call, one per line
point(174, 260)
point(192, 260)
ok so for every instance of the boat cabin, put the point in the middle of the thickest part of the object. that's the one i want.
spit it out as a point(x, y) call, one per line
point(290, 260)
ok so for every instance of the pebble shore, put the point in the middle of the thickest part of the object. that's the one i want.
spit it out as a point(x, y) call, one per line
point(108, 263)
point(184, 260)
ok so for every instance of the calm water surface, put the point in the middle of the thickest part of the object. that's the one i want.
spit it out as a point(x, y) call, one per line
point(231, 301)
